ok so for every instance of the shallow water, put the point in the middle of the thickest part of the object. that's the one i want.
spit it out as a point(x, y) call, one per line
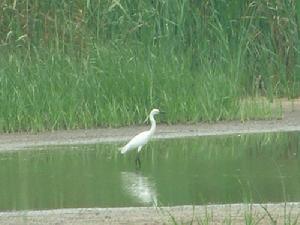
point(228, 169)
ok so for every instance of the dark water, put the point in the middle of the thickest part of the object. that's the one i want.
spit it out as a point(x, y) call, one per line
point(230, 169)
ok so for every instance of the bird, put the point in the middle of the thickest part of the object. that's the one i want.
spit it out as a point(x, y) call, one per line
point(141, 139)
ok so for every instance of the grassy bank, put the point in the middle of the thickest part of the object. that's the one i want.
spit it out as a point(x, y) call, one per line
point(250, 214)
point(90, 63)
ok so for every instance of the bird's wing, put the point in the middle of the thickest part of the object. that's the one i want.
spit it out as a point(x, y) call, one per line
point(138, 140)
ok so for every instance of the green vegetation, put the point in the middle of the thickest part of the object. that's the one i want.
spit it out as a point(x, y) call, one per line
point(72, 64)
point(251, 216)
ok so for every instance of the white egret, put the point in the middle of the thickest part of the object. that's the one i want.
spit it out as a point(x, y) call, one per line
point(142, 138)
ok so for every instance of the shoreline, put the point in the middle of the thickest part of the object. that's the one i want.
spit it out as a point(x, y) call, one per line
point(23, 141)
point(209, 214)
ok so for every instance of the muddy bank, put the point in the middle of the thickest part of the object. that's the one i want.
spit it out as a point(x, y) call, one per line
point(213, 214)
point(19, 141)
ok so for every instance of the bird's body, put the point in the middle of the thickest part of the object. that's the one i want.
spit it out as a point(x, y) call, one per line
point(142, 138)
point(137, 141)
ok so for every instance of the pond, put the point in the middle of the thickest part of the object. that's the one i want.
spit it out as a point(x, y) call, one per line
point(254, 168)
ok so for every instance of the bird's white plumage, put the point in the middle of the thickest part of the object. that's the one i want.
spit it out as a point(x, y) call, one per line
point(141, 139)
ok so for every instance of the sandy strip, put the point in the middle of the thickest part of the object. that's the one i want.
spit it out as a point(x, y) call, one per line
point(213, 214)
point(19, 141)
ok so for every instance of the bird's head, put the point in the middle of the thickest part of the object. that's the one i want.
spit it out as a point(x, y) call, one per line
point(154, 112)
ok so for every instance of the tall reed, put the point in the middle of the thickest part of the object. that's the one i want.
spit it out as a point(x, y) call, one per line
point(70, 64)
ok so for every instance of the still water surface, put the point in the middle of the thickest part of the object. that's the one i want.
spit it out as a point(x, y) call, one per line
point(229, 169)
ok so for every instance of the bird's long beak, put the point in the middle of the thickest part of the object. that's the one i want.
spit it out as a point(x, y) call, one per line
point(162, 112)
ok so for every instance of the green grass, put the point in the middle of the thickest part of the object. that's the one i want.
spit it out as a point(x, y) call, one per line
point(68, 65)
point(251, 217)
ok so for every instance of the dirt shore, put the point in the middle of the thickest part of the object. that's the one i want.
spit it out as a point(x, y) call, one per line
point(264, 214)
point(22, 141)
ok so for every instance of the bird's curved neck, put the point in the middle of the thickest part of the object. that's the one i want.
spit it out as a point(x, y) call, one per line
point(153, 124)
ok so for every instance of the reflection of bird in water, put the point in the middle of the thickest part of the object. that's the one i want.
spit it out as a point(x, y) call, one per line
point(141, 139)
point(139, 187)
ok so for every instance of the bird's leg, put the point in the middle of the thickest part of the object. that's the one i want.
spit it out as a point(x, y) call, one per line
point(137, 159)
